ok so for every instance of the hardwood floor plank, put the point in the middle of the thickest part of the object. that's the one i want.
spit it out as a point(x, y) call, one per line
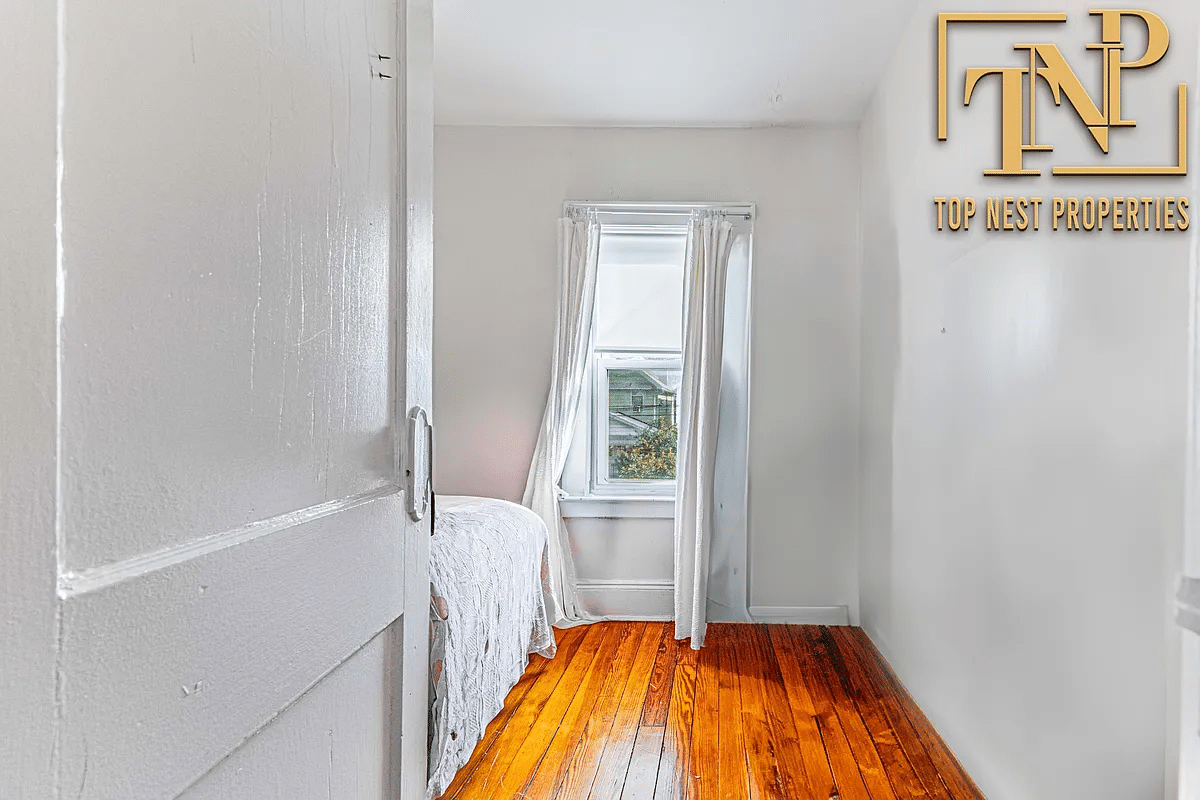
point(612, 664)
point(763, 713)
point(830, 671)
point(514, 750)
point(733, 777)
point(643, 765)
point(821, 781)
point(659, 697)
point(561, 746)
point(765, 774)
point(620, 740)
point(704, 783)
point(674, 772)
point(885, 719)
point(581, 770)
point(957, 781)
point(846, 774)
point(541, 669)
point(852, 755)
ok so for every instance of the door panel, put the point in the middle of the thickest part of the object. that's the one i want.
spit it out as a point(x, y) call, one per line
point(166, 673)
point(228, 200)
point(341, 719)
point(28, 424)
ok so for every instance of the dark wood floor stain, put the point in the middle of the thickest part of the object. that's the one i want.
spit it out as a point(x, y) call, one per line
point(778, 712)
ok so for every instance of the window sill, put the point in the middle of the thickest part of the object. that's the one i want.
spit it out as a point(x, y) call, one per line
point(618, 507)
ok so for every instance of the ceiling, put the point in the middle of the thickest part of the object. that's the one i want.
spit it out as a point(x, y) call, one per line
point(661, 62)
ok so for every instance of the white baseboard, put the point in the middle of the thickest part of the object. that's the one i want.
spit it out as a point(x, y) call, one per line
point(801, 615)
point(632, 600)
point(655, 600)
point(880, 642)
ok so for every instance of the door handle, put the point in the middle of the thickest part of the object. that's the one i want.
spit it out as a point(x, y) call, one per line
point(418, 473)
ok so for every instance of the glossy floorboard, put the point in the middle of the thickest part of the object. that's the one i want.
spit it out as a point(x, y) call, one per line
point(789, 712)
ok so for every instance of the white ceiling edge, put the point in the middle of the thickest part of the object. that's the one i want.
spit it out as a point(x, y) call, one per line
point(698, 126)
point(626, 64)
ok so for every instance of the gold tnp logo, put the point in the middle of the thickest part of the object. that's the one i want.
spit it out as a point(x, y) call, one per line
point(1018, 85)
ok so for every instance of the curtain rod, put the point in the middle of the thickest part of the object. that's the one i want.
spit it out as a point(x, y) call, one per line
point(742, 214)
point(664, 209)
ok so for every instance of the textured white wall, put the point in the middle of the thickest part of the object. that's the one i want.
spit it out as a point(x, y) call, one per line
point(498, 192)
point(1023, 423)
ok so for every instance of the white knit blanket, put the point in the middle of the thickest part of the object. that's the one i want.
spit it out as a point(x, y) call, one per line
point(488, 570)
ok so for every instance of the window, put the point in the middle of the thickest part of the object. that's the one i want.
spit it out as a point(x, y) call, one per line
point(622, 455)
point(635, 442)
point(636, 361)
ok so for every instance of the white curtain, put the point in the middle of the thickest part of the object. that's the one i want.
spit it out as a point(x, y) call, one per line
point(578, 254)
point(710, 239)
point(727, 589)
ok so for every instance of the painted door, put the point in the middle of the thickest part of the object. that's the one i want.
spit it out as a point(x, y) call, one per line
point(1185, 701)
point(215, 274)
point(1182, 779)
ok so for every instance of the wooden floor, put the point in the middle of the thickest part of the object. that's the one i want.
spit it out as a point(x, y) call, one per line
point(763, 711)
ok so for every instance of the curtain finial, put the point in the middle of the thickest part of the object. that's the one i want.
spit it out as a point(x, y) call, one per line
point(583, 213)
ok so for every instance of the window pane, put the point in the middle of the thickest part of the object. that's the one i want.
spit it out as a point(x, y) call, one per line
point(639, 291)
point(642, 432)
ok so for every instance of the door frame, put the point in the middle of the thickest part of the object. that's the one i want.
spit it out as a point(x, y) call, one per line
point(1182, 735)
point(414, 260)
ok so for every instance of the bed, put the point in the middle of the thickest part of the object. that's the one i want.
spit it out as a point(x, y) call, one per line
point(488, 576)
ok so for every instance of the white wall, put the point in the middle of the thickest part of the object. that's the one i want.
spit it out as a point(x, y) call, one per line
point(1023, 423)
point(498, 193)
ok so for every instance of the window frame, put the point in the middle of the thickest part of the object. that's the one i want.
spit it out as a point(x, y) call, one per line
point(602, 360)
